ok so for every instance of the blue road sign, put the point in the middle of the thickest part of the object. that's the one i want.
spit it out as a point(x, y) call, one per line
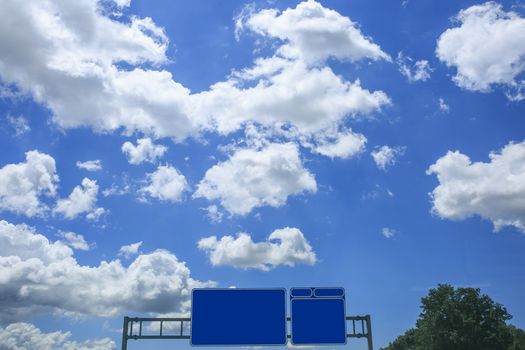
point(318, 316)
point(238, 316)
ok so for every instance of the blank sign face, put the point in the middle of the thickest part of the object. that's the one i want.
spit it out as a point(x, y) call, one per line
point(238, 317)
point(319, 318)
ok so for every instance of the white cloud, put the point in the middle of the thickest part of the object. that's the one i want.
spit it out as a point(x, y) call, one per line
point(413, 71)
point(388, 232)
point(22, 336)
point(166, 184)
point(487, 49)
point(19, 124)
point(286, 246)
point(494, 190)
point(80, 82)
point(90, 165)
point(82, 200)
point(42, 276)
point(386, 156)
point(311, 99)
point(252, 178)
point(118, 189)
point(66, 59)
point(144, 151)
point(129, 250)
point(214, 214)
point(340, 144)
point(443, 106)
point(75, 240)
point(122, 3)
point(313, 33)
point(22, 184)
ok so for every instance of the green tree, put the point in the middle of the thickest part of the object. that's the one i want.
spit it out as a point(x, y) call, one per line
point(460, 319)
point(518, 338)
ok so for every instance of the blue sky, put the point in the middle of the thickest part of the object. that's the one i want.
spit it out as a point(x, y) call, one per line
point(151, 147)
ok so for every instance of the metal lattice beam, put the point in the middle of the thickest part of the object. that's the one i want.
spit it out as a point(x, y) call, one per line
point(133, 328)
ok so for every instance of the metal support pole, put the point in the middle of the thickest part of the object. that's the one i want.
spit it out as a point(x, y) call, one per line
point(125, 333)
point(369, 332)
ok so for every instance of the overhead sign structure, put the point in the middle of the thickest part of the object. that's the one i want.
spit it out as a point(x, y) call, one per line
point(238, 316)
point(318, 316)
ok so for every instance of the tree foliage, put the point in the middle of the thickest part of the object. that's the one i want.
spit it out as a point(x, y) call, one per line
point(460, 319)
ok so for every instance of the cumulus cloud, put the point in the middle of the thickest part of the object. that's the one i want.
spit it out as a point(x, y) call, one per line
point(21, 336)
point(487, 49)
point(311, 99)
point(47, 60)
point(122, 3)
point(129, 250)
point(313, 33)
point(493, 190)
point(42, 276)
point(387, 156)
point(413, 71)
point(144, 151)
point(252, 178)
point(70, 65)
point(90, 165)
point(75, 240)
point(82, 200)
point(286, 246)
point(166, 183)
point(339, 144)
point(23, 184)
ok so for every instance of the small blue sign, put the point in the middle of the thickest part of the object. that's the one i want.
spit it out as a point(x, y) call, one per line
point(238, 316)
point(318, 316)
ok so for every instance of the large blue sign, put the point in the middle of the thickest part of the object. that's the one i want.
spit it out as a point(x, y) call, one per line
point(318, 316)
point(238, 316)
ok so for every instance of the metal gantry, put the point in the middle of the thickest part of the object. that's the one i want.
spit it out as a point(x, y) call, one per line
point(133, 328)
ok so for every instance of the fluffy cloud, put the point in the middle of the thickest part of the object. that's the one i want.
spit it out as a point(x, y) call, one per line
point(294, 87)
point(166, 183)
point(144, 151)
point(66, 59)
point(90, 165)
point(493, 190)
point(413, 71)
point(83, 199)
point(22, 184)
point(75, 240)
point(386, 156)
point(21, 336)
point(38, 275)
point(310, 99)
point(252, 178)
point(286, 246)
point(313, 33)
point(487, 49)
point(340, 144)
point(71, 66)
point(130, 249)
